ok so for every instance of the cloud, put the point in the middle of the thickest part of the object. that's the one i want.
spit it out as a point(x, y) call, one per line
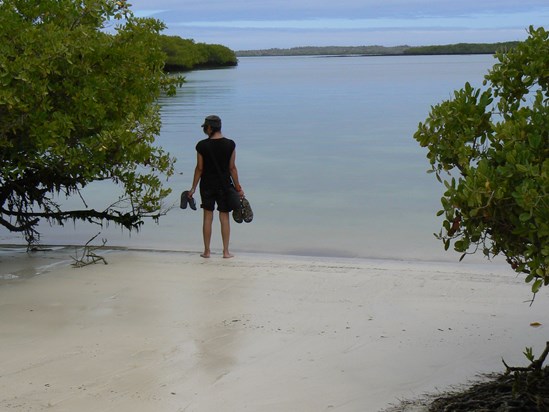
point(472, 22)
point(219, 10)
point(240, 24)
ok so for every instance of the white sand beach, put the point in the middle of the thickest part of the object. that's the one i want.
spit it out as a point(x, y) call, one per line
point(170, 331)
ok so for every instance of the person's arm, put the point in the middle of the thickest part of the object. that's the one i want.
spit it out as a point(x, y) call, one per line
point(234, 173)
point(197, 173)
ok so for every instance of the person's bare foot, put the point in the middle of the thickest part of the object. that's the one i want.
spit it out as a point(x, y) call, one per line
point(205, 255)
point(227, 255)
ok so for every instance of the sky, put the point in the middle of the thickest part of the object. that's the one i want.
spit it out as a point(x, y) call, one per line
point(265, 24)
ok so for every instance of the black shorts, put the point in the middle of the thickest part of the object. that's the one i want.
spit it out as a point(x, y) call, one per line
point(212, 196)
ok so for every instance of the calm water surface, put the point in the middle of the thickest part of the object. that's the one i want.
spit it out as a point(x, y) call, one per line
point(325, 152)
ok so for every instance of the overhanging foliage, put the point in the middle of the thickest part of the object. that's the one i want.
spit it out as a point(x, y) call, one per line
point(78, 105)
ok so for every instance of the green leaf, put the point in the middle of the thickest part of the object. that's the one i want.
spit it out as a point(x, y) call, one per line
point(528, 352)
point(524, 217)
point(537, 285)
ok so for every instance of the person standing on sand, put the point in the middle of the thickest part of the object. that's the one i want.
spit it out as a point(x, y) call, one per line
point(215, 169)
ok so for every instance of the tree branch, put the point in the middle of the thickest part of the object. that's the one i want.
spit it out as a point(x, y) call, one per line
point(20, 228)
point(128, 220)
point(536, 365)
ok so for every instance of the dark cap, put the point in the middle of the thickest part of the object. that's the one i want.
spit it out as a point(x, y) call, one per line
point(213, 121)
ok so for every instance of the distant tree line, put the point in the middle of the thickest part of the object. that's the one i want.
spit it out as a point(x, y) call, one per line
point(461, 48)
point(185, 54)
point(323, 51)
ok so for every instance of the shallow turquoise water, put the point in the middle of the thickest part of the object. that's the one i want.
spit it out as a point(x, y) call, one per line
point(325, 152)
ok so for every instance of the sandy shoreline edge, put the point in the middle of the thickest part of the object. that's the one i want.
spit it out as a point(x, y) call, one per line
point(170, 331)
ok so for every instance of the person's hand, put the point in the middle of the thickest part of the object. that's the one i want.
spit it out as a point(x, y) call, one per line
point(239, 190)
point(191, 193)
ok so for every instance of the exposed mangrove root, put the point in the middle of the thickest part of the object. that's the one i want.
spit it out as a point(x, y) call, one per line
point(523, 392)
point(89, 256)
point(518, 389)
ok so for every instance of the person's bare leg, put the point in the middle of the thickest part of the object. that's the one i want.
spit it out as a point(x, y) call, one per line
point(207, 232)
point(225, 233)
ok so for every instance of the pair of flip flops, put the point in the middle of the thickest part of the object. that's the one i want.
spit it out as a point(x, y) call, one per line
point(186, 200)
point(244, 213)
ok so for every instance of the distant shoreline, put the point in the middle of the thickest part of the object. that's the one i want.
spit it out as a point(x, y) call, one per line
point(346, 51)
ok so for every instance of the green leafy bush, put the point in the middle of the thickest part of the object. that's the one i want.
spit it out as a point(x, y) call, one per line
point(78, 105)
point(490, 148)
point(185, 54)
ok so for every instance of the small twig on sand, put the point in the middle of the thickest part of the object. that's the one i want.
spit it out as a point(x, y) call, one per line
point(89, 256)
